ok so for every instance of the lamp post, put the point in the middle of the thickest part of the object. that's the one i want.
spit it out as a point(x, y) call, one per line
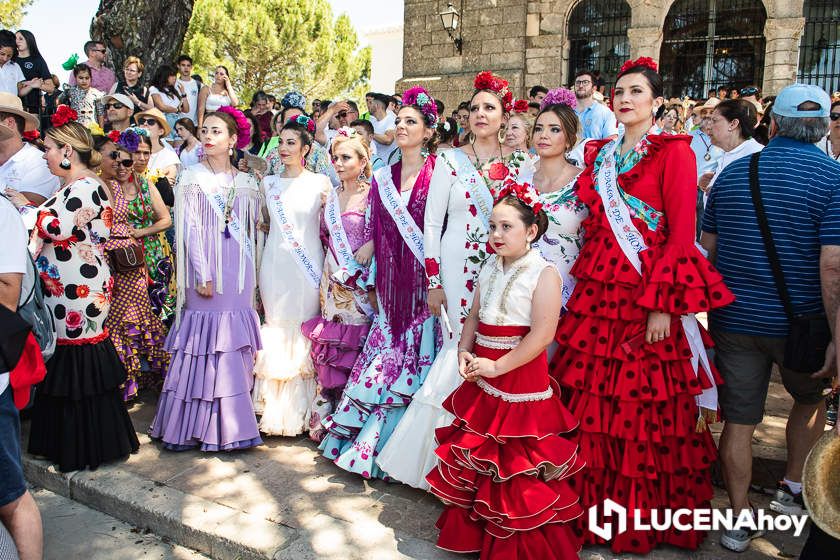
point(451, 20)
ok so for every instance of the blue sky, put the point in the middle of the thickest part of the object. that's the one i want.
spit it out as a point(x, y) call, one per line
point(62, 27)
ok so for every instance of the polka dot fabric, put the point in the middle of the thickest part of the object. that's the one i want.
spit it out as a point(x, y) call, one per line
point(635, 402)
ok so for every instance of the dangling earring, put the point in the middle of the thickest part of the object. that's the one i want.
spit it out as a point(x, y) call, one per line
point(65, 163)
point(230, 150)
point(424, 151)
point(303, 162)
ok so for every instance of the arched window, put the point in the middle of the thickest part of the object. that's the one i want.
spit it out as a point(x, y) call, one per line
point(598, 38)
point(819, 51)
point(712, 43)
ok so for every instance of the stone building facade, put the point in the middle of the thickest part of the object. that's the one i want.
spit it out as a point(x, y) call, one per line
point(528, 42)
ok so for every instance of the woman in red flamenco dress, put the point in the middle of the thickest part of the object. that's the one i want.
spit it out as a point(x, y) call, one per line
point(503, 467)
point(631, 357)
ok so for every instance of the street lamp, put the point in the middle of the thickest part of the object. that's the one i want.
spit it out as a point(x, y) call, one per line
point(451, 19)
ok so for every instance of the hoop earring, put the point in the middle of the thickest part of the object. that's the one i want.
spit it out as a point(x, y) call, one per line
point(501, 135)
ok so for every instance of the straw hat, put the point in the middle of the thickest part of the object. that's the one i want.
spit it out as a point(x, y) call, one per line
point(155, 113)
point(821, 483)
point(10, 103)
point(6, 132)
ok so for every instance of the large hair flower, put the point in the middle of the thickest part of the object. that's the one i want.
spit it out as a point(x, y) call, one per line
point(31, 135)
point(243, 127)
point(559, 96)
point(129, 140)
point(347, 132)
point(294, 99)
point(138, 130)
point(490, 82)
point(114, 136)
point(520, 106)
point(63, 115)
point(304, 121)
point(641, 61)
point(524, 192)
point(420, 98)
point(95, 129)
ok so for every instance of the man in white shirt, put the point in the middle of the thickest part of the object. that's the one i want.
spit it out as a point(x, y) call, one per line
point(191, 86)
point(384, 126)
point(22, 166)
point(18, 511)
point(11, 76)
point(596, 120)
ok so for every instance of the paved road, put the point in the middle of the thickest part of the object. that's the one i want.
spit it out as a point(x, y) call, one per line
point(74, 531)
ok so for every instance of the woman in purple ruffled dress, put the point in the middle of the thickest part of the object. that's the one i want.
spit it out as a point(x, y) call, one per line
point(206, 398)
point(339, 334)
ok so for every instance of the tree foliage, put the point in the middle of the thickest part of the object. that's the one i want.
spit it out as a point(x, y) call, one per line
point(278, 45)
point(12, 12)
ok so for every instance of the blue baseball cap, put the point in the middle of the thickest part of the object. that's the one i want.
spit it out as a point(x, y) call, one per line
point(789, 99)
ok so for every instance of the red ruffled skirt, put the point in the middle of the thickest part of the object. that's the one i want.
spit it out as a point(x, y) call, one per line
point(635, 402)
point(503, 470)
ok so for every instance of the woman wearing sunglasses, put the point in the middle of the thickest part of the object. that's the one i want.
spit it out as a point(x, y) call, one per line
point(831, 143)
point(164, 161)
point(160, 262)
point(137, 333)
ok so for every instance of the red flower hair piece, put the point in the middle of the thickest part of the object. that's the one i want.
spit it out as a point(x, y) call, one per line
point(489, 81)
point(114, 136)
point(31, 135)
point(521, 106)
point(524, 192)
point(63, 115)
point(641, 61)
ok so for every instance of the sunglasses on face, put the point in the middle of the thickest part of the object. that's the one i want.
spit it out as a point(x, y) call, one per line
point(114, 105)
point(834, 116)
point(113, 155)
point(144, 121)
point(127, 163)
point(749, 91)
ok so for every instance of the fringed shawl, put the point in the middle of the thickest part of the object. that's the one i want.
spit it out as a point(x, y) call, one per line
point(400, 278)
point(199, 230)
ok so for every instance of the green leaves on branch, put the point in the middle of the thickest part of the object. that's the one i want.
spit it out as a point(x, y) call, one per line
point(277, 46)
point(12, 12)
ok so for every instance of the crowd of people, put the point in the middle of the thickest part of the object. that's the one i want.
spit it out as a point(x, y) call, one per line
point(497, 305)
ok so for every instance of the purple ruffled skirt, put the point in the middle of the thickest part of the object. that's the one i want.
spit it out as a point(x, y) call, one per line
point(335, 347)
point(206, 400)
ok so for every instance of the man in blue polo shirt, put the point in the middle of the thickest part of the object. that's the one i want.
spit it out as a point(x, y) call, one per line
point(800, 189)
point(596, 120)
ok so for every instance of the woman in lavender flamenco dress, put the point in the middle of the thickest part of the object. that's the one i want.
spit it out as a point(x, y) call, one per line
point(206, 400)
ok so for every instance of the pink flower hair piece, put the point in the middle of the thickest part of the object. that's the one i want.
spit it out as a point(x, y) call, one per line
point(243, 127)
point(419, 97)
point(559, 96)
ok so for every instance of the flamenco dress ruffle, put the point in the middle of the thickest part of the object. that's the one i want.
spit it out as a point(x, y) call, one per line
point(137, 333)
point(285, 379)
point(206, 398)
point(387, 374)
point(79, 419)
point(504, 470)
point(335, 348)
point(635, 402)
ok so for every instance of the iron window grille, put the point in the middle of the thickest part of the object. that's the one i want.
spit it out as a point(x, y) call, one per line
point(819, 50)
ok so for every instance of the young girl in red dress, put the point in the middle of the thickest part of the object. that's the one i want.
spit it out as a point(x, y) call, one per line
point(631, 360)
point(503, 468)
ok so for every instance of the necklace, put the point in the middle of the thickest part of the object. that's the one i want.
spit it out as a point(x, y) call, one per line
point(478, 161)
point(231, 196)
point(708, 156)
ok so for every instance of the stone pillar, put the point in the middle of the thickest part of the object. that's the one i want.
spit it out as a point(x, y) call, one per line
point(781, 56)
point(645, 41)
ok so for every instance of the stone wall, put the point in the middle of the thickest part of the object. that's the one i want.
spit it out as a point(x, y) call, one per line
point(525, 41)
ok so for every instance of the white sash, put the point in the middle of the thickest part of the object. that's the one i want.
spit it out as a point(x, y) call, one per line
point(391, 199)
point(632, 243)
point(341, 245)
point(469, 176)
point(218, 201)
point(311, 269)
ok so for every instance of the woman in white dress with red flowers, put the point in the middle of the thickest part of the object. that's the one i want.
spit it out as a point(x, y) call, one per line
point(461, 193)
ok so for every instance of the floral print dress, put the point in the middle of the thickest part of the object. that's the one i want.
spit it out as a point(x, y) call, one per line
point(71, 228)
point(158, 255)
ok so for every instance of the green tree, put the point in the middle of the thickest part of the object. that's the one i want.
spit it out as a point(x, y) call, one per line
point(278, 45)
point(12, 11)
